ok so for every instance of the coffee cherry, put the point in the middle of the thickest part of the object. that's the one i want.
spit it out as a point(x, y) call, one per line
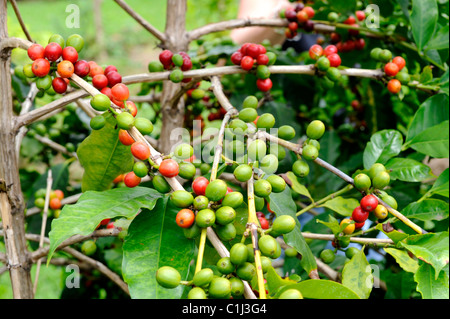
point(203, 277)
point(391, 201)
point(381, 180)
point(359, 215)
point(169, 168)
point(350, 228)
point(362, 182)
point(315, 130)
point(310, 152)
point(310, 11)
point(226, 232)
point(168, 277)
point(187, 170)
point(247, 63)
point(248, 115)
point(216, 190)
point(237, 287)
point(160, 184)
point(391, 69)
point(333, 17)
point(233, 200)
point(55, 203)
point(327, 256)
point(286, 132)
point(140, 150)
point(165, 57)
point(323, 64)
point(192, 232)
point(36, 51)
point(225, 215)
point(65, 69)
point(316, 51)
point(394, 86)
point(131, 180)
point(246, 271)
point(97, 122)
point(403, 77)
point(182, 198)
point(120, 92)
point(351, 251)
point(334, 74)
point(140, 169)
point(335, 60)
point(59, 85)
point(196, 293)
point(53, 51)
point(277, 182)
point(199, 185)
point(44, 83)
point(201, 202)
point(125, 120)
point(269, 164)
point(82, 68)
point(257, 150)
point(385, 56)
point(263, 222)
point(40, 67)
point(369, 203)
point(184, 151)
point(236, 58)
point(269, 246)
point(400, 62)
point(76, 41)
point(225, 266)
point(262, 188)
point(219, 288)
point(250, 102)
point(265, 121)
point(205, 218)
point(376, 169)
point(291, 294)
point(264, 85)
point(329, 50)
point(381, 212)
point(283, 224)
point(300, 168)
point(88, 247)
point(238, 254)
point(125, 138)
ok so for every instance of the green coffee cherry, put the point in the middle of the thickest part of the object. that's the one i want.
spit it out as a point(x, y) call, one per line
point(97, 122)
point(233, 199)
point(246, 271)
point(286, 132)
point(257, 150)
point(381, 180)
point(184, 151)
point(197, 293)
point(201, 202)
point(192, 232)
point(225, 266)
point(182, 198)
point(262, 188)
point(250, 102)
point(243, 173)
point(237, 287)
point(226, 232)
point(362, 182)
point(315, 130)
point(248, 115)
point(187, 170)
point(277, 182)
point(375, 169)
point(125, 120)
point(216, 190)
point(143, 125)
point(89, 247)
point(238, 254)
point(291, 294)
point(310, 152)
point(327, 256)
point(265, 121)
point(283, 224)
point(225, 215)
point(219, 288)
point(300, 168)
point(268, 246)
point(205, 218)
point(160, 184)
point(269, 164)
point(168, 277)
point(203, 277)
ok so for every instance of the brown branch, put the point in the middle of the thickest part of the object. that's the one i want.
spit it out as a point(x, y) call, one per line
point(150, 28)
point(57, 147)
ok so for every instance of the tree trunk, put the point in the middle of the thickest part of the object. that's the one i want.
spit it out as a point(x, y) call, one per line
point(173, 113)
point(11, 197)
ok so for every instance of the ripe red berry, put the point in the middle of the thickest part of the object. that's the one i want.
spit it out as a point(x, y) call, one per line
point(369, 203)
point(293, 26)
point(113, 78)
point(264, 85)
point(107, 92)
point(360, 15)
point(360, 44)
point(185, 218)
point(394, 86)
point(132, 108)
point(316, 51)
point(262, 59)
point(110, 68)
point(65, 69)
point(110, 225)
point(70, 54)
point(354, 32)
point(55, 203)
point(53, 51)
point(40, 67)
point(401, 63)
point(359, 215)
point(329, 50)
point(236, 58)
point(131, 180)
point(391, 69)
point(199, 185)
point(310, 11)
point(82, 68)
point(169, 168)
point(105, 222)
point(253, 50)
point(100, 81)
point(263, 222)
point(165, 57)
point(59, 85)
point(247, 63)
point(359, 225)
point(36, 51)
point(291, 15)
point(350, 20)
point(125, 138)
point(335, 60)
point(302, 16)
point(120, 92)
point(140, 150)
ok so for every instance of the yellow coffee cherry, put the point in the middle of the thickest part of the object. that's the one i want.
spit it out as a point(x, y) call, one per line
point(350, 228)
point(381, 212)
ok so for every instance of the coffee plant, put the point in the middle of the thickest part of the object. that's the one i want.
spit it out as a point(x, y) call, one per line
point(238, 170)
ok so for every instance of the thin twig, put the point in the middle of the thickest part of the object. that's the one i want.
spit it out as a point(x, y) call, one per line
point(57, 147)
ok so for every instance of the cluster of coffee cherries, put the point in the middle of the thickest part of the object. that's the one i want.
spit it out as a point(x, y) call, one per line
point(394, 69)
point(55, 205)
point(253, 56)
point(176, 63)
point(311, 148)
point(232, 271)
point(55, 63)
point(327, 62)
point(299, 17)
point(373, 181)
point(353, 41)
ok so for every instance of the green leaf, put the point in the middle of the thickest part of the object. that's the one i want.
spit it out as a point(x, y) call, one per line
point(430, 285)
point(324, 289)
point(357, 275)
point(424, 17)
point(298, 187)
point(92, 207)
point(408, 170)
point(275, 282)
point(103, 157)
point(154, 240)
point(440, 40)
point(342, 206)
point(432, 112)
point(283, 204)
point(428, 209)
point(441, 185)
point(382, 146)
point(431, 248)
point(395, 235)
point(332, 224)
point(433, 141)
point(444, 82)
point(403, 259)
point(427, 74)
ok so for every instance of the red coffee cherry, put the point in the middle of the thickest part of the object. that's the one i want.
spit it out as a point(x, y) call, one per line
point(360, 15)
point(400, 62)
point(236, 58)
point(335, 60)
point(199, 185)
point(391, 69)
point(40, 67)
point(316, 51)
point(359, 215)
point(247, 63)
point(360, 44)
point(110, 68)
point(185, 218)
point(309, 11)
point(65, 69)
point(59, 85)
point(394, 86)
point(262, 59)
point(125, 138)
point(120, 92)
point(264, 222)
point(82, 68)
point(169, 168)
point(141, 151)
point(264, 85)
point(329, 50)
point(36, 51)
point(53, 51)
point(100, 81)
point(70, 54)
point(369, 203)
point(165, 57)
point(131, 180)
point(55, 203)
point(113, 78)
